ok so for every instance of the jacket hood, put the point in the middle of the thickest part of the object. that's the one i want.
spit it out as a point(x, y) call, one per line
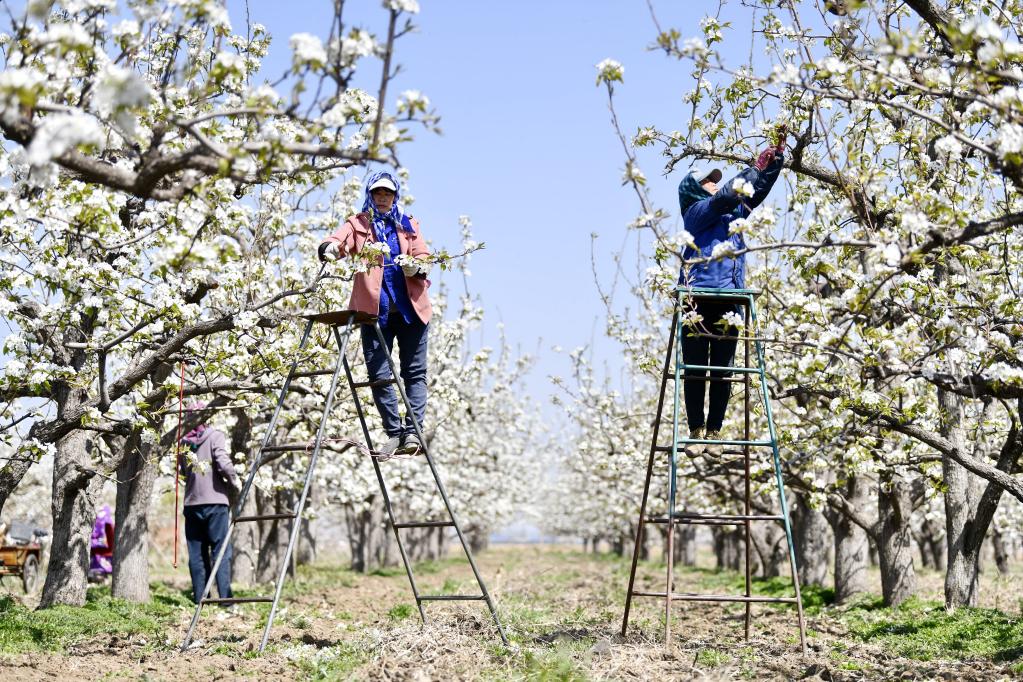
point(690, 192)
point(395, 215)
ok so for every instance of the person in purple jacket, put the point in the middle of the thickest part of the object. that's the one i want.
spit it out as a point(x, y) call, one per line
point(209, 479)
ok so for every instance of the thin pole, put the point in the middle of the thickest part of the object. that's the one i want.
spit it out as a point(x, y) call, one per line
point(672, 481)
point(649, 469)
point(406, 562)
point(236, 512)
point(177, 462)
point(297, 522)
point(748, 506)
point(780, 481)
point(440, 488)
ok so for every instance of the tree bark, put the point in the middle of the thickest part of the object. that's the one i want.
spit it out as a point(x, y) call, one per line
point(813, 541)
point(962, 493)
point(852, 545)
point(895, 539)
point(685, 546)
point(135, 478)
point(75, 488)
point(1000, 550)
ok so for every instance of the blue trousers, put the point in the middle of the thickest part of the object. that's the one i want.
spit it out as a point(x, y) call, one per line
point(205, 532)
point(412, 366)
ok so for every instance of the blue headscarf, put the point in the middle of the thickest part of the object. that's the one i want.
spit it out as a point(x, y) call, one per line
point(395, 216)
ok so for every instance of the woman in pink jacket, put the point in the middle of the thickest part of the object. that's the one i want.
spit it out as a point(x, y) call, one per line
point(395, 291)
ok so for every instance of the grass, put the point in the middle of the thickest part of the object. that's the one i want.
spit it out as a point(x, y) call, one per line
point(815, 598)
point(337, 662)
point(62, 627)
point(924, 630)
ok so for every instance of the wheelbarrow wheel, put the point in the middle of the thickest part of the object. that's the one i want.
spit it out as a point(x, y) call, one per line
point(30, 574)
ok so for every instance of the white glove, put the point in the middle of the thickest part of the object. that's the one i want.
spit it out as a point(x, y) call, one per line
point(412, 267)
point(332, 252)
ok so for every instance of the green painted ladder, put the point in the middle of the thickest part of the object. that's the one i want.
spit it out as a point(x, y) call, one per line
point(674, 367)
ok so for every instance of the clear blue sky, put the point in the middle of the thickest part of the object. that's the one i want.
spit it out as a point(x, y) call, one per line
point(528, 150)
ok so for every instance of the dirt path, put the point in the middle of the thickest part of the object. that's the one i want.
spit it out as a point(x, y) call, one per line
point(562, 610)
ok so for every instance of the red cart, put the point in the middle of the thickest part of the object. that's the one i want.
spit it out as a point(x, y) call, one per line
point(20, 554)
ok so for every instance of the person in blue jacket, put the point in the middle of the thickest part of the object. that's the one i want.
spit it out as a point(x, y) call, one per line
point(707, 213)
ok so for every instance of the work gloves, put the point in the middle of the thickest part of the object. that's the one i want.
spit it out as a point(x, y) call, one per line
point(768, 155)
point(329, 251)
point(412, 267)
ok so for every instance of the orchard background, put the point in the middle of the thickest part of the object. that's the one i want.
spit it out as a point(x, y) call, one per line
point(168, 168)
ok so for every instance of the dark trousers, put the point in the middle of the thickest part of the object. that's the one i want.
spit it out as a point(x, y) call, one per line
point(412, 366)
point(700, 350)
point(205, 532)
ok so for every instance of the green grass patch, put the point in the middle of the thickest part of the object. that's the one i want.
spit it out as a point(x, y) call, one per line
point(924, 630)
point(555, 665)
point(334, 663)
point(712, 658)
point(400, 612)
point(61, 627)
point(814, 597)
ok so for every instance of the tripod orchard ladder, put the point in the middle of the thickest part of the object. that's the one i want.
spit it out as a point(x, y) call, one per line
point(674, 368)
point(342, 324)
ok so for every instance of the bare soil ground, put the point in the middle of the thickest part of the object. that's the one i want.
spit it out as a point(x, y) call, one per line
point(561, 608)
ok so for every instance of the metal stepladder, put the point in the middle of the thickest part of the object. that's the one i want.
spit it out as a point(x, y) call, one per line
point(342, 324)
point(675, 367)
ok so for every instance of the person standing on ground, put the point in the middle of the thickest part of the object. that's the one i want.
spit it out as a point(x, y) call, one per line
point(395, 290)
point(707, 213)
point(210, 482)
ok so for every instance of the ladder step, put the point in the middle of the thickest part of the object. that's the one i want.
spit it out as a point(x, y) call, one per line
point(715, 519)
point(238, 600)
point(700, 441)
point(374, 384)
point(263, 517)
point(707, 441)
point(718, 368)
point(425, 524)
point(313, 373)
point(288, 447)
point(688, 596)
point(451, 597)
point(729, 380)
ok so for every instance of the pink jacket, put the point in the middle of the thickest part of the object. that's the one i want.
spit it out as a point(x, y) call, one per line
point(366, 289)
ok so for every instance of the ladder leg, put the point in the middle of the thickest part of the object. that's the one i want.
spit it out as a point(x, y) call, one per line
point(380, 478)
point(780, 481)
point(297, 522)
point(673, 480)
point(649, 471)
point(246, 487)
point(747, 506)
point(443, 494)
point(670, 583)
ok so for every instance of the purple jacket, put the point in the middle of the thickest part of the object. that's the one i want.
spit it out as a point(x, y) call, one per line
point(211, 486)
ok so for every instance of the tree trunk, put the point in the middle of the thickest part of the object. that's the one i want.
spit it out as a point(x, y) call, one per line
point(135, 478)
point(962, 493)
point(245, 537)
point(367, 534)
point(852, 546)
point(74, 492)
point(245, 550)
point(812, 542)
point(685, 546)
point(895, 539)
point(1000, 550)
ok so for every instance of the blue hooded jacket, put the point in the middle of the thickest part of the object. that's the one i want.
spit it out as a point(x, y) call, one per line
point(708, 218)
